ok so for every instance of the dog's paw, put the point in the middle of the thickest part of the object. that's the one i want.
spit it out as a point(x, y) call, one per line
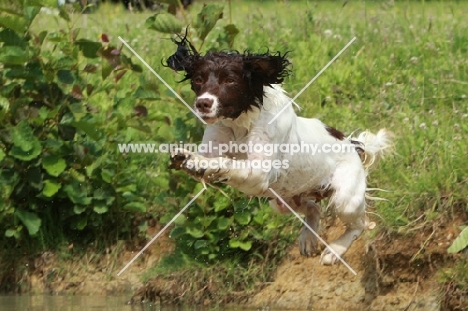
point(308, 244)
point(178, 158)
point(182, 159)
point(329, 258)
point(209, 170)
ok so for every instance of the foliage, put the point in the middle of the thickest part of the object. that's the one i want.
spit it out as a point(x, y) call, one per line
point(203, 25)
point(62, 179)
point(65, 106)
point(460, 242)
point(224, 226)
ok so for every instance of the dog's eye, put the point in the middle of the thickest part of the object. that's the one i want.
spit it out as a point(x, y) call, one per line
point(197, 80)
point(229, 81)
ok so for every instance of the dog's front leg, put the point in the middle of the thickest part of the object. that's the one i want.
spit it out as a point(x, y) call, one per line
point(244, 175)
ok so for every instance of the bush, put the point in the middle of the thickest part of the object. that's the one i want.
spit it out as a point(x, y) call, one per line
point(62, 178)
point(65, 106)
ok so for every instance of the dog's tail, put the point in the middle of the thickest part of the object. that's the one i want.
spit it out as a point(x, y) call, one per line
point(372, 147)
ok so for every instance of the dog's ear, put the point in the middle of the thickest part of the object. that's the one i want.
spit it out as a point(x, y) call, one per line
point(269, 69)
point(182, 59)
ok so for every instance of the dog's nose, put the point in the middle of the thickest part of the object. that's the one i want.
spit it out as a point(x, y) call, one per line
point(204, 104)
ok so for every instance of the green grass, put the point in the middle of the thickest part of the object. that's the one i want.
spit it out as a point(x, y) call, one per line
point(407, 72)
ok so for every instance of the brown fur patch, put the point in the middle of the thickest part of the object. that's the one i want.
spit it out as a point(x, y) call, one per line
point(335, 133)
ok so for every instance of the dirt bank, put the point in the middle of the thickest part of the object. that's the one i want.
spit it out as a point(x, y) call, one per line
point(84, 272)
point(394, 272)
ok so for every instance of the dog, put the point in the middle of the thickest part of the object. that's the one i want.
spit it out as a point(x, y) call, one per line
point(239, 96)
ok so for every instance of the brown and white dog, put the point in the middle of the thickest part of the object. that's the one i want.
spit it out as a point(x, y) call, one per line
point(238, 95)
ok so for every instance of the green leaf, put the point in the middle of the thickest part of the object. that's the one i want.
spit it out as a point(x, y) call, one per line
point(23, 136)
point(13, 55)
point(26, 145)
point(77, 193)
point(30, 13)
point(2, 154)
point(89, 48)
point(242, 218)
point(77, 175)
point(460, 242)
point(221, 204)
point(224, 223)
point(139, 125)
point(64, 62)
point(63, 13)
point(180, 220)
point(177, 232)
point(100, 207)
point(206, 220)
point(100, 194)
point(40, 38)
point(207, 19)
point(231, 33)
point(165, 132)
point(107, 175)
point(4, 104)
point(81, 223)
point(135, 206)
point(78, 110)
point(53, 165)
point(145, 94)
point(200, 244)
point(9, 233)
point(65, 76)
point(50, 188)
point(165, 23)
point(9, 37)
point(16, 23)
point(88, 128)
point(244, 245)
point(79, 209)
point(30, 220)
point(136, 68)
point(195, 232)
point(259, 217)
point(91, 167)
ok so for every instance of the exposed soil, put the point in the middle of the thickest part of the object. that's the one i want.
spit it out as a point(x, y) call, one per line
point(394, 272)
point(88, 274)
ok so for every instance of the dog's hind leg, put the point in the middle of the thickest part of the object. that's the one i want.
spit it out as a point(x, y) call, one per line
point(308, 244)
point(348, 199)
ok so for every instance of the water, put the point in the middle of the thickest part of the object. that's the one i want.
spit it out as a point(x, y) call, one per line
point(78, 303)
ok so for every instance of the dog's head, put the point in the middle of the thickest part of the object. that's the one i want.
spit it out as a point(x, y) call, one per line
point(229, 83)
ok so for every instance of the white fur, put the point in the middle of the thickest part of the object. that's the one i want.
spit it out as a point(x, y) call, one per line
point(343, 173)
